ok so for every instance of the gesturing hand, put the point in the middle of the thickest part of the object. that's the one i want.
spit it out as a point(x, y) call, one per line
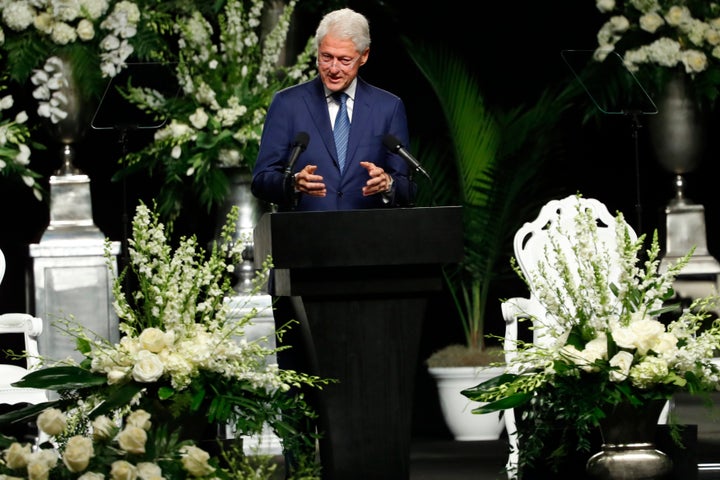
point(308, 183)
point(379, 180)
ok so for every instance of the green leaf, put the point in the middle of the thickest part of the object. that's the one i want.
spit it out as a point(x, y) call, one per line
point(512, 401)
point(61, 378)
point(165, 392)
point(502, 379)
point(27, 413)
point(119, 397)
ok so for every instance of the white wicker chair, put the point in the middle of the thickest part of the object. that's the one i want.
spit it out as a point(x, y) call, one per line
point(529, 243)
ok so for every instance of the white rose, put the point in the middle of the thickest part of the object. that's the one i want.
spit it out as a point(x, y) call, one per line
point(149, 471)
point(132, 439)
point(116, 375)
point(122, 470)
point(38, 470)
point(91, 476)
point(646, 332)
point(622, 361)
point(677, 15)
point(44, 22)
point(199, 119)
point(605, 5)
point(651, 22)
point(195, 461)
point(6, 102)
point(152, 339)
point(694, 61)
point(139, 418)
point(85, 30)
point(47, 456)
point(77, 454)
point(103, 427)
point(52, 421)
point(665, 345)
point(148, 368)
point(17, 455)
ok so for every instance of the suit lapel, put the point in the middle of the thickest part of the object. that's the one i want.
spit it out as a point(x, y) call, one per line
point(360, 124)
point(317, 106)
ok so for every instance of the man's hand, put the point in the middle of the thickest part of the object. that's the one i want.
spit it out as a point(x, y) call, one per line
point(308, 183)
point(379, 181)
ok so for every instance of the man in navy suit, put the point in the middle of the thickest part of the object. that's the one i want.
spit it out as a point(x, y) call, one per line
point(372, 176)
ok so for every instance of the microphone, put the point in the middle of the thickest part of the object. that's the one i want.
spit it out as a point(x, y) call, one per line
point(299, 145)
point(393, 144)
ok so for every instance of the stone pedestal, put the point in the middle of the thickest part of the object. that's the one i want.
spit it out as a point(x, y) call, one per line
point(71, 274)
point(263, 327)
point(685, 229)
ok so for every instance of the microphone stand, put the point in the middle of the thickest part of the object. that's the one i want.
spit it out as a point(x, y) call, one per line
point(636, 126)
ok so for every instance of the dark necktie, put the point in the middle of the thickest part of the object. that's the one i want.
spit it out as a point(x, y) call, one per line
point(342, 128)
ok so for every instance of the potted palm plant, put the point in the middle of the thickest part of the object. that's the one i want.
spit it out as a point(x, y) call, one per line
point(496, 159)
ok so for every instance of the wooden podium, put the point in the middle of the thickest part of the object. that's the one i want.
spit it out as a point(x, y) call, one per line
point(362, 280)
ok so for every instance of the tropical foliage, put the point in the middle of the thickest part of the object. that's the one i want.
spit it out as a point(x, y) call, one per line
point(495, 159)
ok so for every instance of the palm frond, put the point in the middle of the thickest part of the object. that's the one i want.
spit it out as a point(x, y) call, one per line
point(497, 157)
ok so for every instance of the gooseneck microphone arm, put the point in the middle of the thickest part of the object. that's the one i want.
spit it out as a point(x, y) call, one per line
point(394, 144)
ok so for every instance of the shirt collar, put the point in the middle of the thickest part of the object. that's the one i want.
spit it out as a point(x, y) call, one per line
point(350, 90)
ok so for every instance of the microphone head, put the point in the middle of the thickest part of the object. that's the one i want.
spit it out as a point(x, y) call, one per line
point(392, 143)
point(301, 140)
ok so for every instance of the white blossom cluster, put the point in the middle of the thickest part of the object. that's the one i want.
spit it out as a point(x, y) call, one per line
point(52, 84)
point(14, 150)
point(64, 22)
point(229, 69)
point(672, 34)
point(227, 101)
point(178, 328)
point(120, 447)
point(603, 312)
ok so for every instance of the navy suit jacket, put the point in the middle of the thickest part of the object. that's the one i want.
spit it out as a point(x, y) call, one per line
point(303, 108)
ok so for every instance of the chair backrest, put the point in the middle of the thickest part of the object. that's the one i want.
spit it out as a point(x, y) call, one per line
point(30, 328)
point(533, 239)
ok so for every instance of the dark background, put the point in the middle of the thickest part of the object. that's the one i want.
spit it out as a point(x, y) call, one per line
point(514, 50)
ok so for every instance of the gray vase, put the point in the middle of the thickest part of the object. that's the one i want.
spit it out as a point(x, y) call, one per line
point(677, 131)
point(628, 451)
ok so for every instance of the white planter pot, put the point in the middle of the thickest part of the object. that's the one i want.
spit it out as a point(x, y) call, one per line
point(457, 409)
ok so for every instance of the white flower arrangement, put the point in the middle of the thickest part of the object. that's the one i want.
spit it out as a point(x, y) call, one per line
point(228, 71)
point(606, 338)
point(113, 448)
point(657, 38)
point(36, 32)
point(182, 357)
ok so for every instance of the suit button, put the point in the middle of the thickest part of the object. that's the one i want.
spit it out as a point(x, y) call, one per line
point(340, 194)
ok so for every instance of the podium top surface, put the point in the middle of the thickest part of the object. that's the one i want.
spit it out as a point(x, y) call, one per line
point(351, 238)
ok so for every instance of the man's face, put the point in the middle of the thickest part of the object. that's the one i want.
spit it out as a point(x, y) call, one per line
point(339, 62)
